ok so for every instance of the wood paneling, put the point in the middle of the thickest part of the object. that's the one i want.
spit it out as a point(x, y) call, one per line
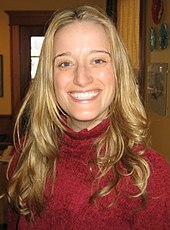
point(142, 49)
point(28, 18)
point(5, 124)
point(15, 71)
point(5, 131)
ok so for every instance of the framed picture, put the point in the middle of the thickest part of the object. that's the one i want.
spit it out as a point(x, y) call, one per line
point(1, 75)
point(157, 96)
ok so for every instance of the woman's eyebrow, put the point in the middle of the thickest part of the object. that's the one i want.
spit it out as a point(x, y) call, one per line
point(100, 51)
point(63, 54)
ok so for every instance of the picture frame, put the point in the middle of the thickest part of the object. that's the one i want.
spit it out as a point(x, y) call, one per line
point(1, 75)
point(157, 91)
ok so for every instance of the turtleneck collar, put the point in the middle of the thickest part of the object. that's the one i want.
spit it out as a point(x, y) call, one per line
point(79, 145)
point(85, 134)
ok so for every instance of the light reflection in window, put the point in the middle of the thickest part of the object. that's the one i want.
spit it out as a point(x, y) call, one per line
point(36, 44)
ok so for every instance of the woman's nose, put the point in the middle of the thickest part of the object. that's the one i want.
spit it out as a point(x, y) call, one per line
point(82, 76)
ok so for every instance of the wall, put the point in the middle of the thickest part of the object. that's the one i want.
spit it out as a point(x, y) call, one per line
point(5, 101)
point(160, 125)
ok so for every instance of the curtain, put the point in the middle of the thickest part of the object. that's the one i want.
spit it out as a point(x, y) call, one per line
point(128, 24)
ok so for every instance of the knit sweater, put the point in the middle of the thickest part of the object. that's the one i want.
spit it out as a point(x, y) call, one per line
point(69, 207)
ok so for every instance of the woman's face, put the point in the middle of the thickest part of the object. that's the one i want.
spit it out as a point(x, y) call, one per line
point(84, 79)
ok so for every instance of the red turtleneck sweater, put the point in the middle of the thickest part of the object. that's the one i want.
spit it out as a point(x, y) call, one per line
point(69, 207)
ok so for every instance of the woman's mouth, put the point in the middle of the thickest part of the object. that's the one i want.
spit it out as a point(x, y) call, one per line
point(87, 95)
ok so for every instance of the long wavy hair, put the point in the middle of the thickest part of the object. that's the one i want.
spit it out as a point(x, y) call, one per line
point(42, 125)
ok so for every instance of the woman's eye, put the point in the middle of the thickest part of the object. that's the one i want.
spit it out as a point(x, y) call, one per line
point(98, 61)
point(65, 64)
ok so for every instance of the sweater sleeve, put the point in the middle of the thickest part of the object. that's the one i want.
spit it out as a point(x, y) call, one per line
point(156, 215)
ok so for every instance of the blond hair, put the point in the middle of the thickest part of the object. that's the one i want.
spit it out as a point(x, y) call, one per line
point(39, 149)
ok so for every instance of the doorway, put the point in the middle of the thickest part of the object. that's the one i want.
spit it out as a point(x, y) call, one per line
point(28, 37)
point(23, 26)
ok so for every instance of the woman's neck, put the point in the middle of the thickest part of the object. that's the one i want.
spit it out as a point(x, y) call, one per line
point(77, 125)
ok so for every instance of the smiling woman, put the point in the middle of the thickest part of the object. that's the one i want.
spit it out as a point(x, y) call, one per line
point(84, 158)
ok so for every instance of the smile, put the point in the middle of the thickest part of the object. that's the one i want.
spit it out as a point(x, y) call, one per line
point(84, 95)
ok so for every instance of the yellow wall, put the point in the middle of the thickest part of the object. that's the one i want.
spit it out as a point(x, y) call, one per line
point(5, 101)
point(160, 126)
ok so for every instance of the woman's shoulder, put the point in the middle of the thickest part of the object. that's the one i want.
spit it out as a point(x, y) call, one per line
point(159, 179)
point(156, 214)
point(157, 161)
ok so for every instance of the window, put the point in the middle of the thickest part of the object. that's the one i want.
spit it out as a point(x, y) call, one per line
point(36, 44)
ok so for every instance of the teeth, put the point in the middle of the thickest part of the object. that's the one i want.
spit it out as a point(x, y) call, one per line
point(84, 95)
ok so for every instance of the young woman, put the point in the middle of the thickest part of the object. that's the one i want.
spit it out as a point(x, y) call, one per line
point(82, 161)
